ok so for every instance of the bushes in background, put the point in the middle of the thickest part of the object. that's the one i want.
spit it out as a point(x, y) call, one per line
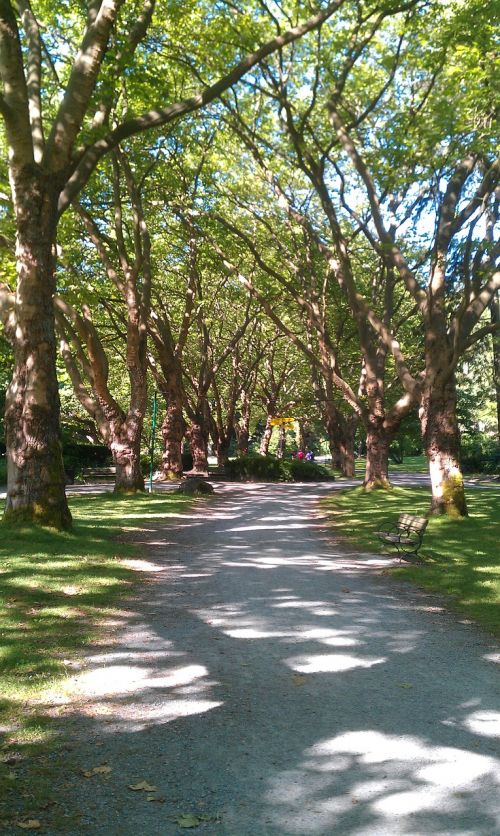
point(270, 469)
point(76, 456)
point(480, 454)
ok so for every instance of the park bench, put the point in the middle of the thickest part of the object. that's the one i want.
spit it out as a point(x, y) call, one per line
point(405, 536)
point(91, 474)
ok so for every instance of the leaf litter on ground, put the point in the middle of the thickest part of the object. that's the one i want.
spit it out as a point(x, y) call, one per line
point(97, 770)
point(187, 820)
point(142, 785)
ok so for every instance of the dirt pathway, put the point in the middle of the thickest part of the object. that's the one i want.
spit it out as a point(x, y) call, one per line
point(267, 683)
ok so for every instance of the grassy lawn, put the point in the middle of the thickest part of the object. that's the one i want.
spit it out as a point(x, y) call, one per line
point(56, 591)
point(461, 556)
point(410, 464)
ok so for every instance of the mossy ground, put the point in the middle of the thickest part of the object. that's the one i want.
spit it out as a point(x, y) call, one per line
point(461, 556)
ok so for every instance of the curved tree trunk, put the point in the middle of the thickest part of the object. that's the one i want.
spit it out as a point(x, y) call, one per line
point(442, 446)
point(36, 481)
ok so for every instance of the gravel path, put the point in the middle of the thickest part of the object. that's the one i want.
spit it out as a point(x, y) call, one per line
point(275, 684)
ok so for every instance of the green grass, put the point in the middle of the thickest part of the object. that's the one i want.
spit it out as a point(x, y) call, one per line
point(410, 464)
point(461, 557)
point(57, 589)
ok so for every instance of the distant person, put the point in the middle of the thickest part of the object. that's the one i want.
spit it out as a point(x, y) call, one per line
point(301, 455)
point(310, 456)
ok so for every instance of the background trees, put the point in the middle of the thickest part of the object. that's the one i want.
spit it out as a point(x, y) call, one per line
point(346, 191)
point(62, 115)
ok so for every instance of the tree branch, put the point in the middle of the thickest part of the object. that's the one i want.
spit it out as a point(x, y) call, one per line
point(162, 116)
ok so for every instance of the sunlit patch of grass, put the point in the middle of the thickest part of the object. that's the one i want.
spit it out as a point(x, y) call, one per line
point(57, 589)
point(461, 557)
point(410, 464)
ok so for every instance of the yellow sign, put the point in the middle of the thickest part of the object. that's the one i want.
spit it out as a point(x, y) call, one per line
point(282, 422)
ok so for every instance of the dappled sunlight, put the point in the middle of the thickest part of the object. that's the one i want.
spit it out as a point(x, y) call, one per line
point(117, 680)
point(287, 527)
point(267, 673)
point(330, 663)
point(484, 723)
point(141, 565)
point(371, 782)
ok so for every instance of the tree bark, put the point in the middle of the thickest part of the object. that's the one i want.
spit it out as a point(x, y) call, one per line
point(346, 447)
point(341, 432)
point(266, 438)
point(222, 451)
point(198, 442)
point(377, 457)
point(173, 430)
point(495, 319)
point(36, 481)
point(242, 427)
point(126, 454)
point(441, 439)
point(280, 452)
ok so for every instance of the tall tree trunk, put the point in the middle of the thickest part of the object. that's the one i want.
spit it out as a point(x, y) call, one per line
point(280, 452)
point(35, 481)
point(126, 452)
point(266, 438)
point(346, 446)
point(173, 430)
point(441, 439)
point(341, 432)
point(243, 426)
point(222, 451)
point(495, 318)
point(198, 442)
point(377, 456)
point(302, 436)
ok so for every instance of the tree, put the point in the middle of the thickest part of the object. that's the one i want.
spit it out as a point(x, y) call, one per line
point(52, 155)
point(456, 276)
point(123, 247)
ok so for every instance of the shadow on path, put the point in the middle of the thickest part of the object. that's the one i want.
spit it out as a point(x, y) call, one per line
point(266, 678)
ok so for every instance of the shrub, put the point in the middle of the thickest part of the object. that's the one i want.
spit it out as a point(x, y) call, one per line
point(304, 471)
point(146, 461)
point(254, 467)
point(77, 456)
point(271, 469)
point(480, 454)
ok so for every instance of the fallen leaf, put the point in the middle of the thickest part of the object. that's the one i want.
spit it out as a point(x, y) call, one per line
point(97, 770)
point(345, 589)
point(405, 685)
point(143, 785)
point(188, 820)
point(160, 799)
point(29, 824)
point(297, 679)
